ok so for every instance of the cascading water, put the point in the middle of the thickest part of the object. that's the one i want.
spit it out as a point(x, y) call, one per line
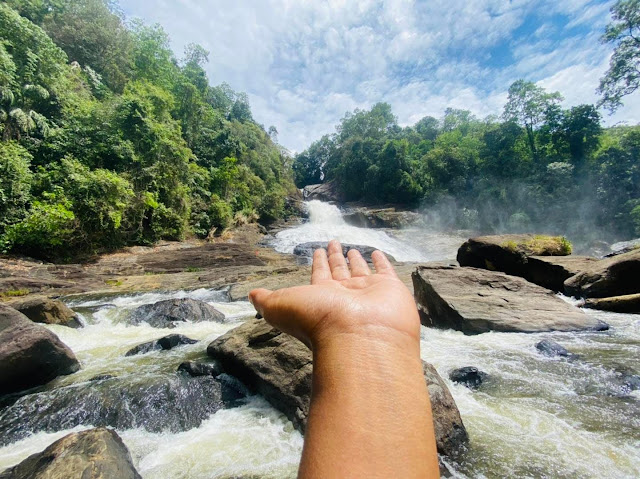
point(534, 417)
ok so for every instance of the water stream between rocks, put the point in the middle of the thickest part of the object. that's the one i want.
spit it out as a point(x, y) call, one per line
point(534, 417)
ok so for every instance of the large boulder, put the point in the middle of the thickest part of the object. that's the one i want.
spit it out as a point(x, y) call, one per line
point(381, 218)
point(170, 312)
point(328, 191)
point(279, 367)
point(306, 250)
point(30, 354)
point(93, 454)
point(543, 260)
point(47, 311)
point(623, 247)
point(476, 301)
point(629, 303)
point(157, 402)
point(615, 276)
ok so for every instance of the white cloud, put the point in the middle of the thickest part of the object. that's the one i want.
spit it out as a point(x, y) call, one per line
point(304, 63)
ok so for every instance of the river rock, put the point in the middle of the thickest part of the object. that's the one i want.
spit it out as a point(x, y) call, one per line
point(623, 247)
point(279, 367)
point(93, 454)
point(381, 218)
point(539, 259)
point(165, 343)
point(477, 301)
point(167, 313)
point(306, 250)
point(156, 402)
point(47, 311)
point(30, 354)
point(629, 303)
point(328, 191)
point(551, 348)
point(616, 276)
point(195, 369)
point(469, 376)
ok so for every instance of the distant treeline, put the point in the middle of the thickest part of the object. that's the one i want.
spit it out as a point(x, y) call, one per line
point(107, 139)
point(539, 167)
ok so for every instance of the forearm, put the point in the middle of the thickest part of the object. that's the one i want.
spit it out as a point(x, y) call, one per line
point(370, 414)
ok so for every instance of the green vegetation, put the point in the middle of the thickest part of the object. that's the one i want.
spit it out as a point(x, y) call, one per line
point(539, 168)
point(108, 140)
point(13, 293)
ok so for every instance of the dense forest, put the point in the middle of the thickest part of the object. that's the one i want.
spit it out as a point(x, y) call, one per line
point(107, 139)
point(539, 167)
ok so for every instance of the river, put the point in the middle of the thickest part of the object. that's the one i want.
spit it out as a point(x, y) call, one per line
point(534, 417)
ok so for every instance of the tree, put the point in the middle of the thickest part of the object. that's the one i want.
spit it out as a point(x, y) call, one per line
point(527, 105)
point(581, 128)
point(623, 76)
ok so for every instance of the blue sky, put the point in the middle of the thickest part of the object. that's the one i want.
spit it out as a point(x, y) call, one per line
point(304, 63)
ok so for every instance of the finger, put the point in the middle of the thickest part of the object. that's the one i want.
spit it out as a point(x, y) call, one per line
point(337, 263)
point(357, 264)
point(382, 264)
point(320, 268)
point(259, 298)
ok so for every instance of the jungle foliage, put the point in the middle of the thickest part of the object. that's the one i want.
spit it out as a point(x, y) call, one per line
point(107, 139)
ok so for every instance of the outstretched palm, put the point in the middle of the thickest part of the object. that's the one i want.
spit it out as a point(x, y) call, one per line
point(342, 299)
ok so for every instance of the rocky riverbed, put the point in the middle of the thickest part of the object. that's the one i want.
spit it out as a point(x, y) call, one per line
point(170, 356)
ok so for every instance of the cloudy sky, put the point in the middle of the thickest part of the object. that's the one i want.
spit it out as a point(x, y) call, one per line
point(304, 63)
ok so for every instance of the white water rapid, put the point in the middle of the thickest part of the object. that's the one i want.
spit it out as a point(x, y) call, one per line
point(535, 417)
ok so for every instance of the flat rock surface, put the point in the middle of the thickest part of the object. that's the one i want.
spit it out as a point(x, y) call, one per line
point(93, 454)
point(279, 367)
point(615, 276)
point(629, 303)
point(477, 301)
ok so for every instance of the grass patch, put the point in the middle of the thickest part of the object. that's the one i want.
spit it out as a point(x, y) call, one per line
point(541, 245)
point(14, 293)
point(191, 269)
point(113, 282)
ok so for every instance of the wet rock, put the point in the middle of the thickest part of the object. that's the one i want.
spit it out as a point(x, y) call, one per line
point(477, 301)
point(279, 367)
point(551, 348)
point(623, 247)
point(167, 342)
point(102, 377)
point(468, 376)
point(306, 250)
point(30, 354)
point(156, 402)
point(328, 191)
point(170, 312)
point(631, 382)
point(616, 276)
point(539, 259)
point(195, 369)
point(629, 303)
point(233, 390)
point(47, 311)
point(381, 218)
point(93, 454)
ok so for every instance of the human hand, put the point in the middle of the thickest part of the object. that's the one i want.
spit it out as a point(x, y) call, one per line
point(342, 300)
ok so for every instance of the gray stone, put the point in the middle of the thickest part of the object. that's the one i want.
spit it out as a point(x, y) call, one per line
point(164, 343)
point(195, 369)
point(328, 191)
point(615, 276)
point(477, 301)
point(469, 376)
point(551, 348)
point(306, 250)
point(93, 454)
point(629, 303)
point(30, 354)
point(279, 367)
point(167, 313)
point(47, 311)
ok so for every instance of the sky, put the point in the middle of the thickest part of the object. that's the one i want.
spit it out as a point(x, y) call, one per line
point(305, 63)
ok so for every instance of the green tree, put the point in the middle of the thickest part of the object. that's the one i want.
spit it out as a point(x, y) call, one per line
point(623, 76)
point(15, 183)
point(528, 105)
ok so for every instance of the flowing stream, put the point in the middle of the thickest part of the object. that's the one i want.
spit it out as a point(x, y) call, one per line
point(534, 417)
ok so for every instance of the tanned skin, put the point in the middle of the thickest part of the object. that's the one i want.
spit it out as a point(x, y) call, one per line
point(370, 415)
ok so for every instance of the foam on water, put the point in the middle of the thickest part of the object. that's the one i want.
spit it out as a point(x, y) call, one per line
point(326, 223)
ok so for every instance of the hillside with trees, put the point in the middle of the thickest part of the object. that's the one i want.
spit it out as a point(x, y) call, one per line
point(108, 140)
point(539, 167)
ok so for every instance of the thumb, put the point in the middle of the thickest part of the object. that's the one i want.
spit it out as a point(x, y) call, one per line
point(258, 298)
